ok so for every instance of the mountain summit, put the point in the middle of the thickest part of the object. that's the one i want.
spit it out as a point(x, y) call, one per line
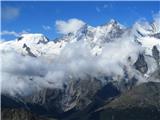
point(33, 38)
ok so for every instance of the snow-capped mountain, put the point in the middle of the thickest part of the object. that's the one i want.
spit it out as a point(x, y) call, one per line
point(39, 45)
point(94, 37)
point(80, 63)
point(34, 45)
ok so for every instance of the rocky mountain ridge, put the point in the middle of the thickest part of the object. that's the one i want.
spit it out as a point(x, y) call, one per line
point(123, 62)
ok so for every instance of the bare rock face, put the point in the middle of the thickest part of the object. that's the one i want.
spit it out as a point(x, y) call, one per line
point(77, 94)
point(80, 93)
point(28, 50)
point(156, 54)
point(141, 64)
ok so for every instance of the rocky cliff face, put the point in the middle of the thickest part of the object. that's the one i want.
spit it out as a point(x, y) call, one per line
point(141, 64)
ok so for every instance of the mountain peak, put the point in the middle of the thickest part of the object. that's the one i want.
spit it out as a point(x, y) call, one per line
point(33, 38)
point(113, 21)
point(114, 24)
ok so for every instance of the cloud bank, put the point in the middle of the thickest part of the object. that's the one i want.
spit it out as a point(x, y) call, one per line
point(70, 26)
point(12, 33)
point(6, 32)
point(23, 75)
point(46, 27)
point(10, 13)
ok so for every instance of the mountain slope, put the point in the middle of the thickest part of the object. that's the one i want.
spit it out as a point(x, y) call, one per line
point(142, 102)
point(65, 76)
point(139, 103)
point(20, 114)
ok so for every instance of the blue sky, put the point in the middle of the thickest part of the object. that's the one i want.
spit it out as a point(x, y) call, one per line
point(40, 17)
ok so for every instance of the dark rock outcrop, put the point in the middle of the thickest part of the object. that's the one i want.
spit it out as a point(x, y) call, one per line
point(141, 64)
point(156, 54)
point(28, 50)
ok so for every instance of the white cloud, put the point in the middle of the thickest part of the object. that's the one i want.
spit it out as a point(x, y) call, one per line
point(70, 26)
point(98, 9)
point(12, 33)
point(105, 6)
point(46, 27)
point(10, 13)
point(109, 5)
point(102, 8)
point(24, 74)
